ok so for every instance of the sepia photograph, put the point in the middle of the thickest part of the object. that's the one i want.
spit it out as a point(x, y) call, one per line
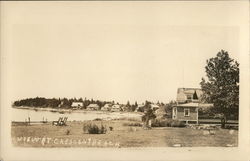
point(108, 79)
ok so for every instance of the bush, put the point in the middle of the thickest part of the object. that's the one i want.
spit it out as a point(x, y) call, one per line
point(97, 119)
point(176, 123)
point(167, 123)
point(67, 132)
point(94, 129)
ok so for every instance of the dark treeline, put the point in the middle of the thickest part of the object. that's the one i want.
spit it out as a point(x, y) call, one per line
point(56, 103)
point(66, 103)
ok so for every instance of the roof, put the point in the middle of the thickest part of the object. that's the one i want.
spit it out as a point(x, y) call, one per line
point(192, 104)
point(140, 105)
point(93, 105)
point(182, 93)
point(116, 106)
point(206, 105)
point(108, 105)
point(154, 106)
point(76, 103)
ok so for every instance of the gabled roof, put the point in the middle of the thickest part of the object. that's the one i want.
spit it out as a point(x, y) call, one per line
point(154, 106)
point(140, 105)
point(107, 105)
point(76, 103)
point(182, 93)
point(116, 106)
point(93, 105)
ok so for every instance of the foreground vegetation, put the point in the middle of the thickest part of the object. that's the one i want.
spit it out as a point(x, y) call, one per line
point(118, 133)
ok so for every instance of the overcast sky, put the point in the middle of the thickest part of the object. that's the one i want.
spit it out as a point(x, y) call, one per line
point(116, 51)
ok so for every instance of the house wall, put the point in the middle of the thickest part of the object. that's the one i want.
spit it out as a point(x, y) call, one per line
point(192, 116)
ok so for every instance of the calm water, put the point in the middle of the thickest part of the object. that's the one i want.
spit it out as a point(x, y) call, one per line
point(23, 114)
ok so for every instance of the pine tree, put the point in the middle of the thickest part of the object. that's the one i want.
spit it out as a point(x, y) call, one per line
point(222, 85)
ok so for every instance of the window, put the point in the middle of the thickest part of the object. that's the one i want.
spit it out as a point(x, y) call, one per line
point(189, 97)
point(186, 112)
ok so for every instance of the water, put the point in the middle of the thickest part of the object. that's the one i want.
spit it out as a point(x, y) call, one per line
point(23, 114)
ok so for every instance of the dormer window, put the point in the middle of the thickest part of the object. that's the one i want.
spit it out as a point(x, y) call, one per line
point(189, 97)
point(195, 97)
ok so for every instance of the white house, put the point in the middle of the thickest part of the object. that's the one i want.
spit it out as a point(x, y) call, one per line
point(115, 108)
point(106, 107)
point(93, 107)
point(77, 104)
point(154, 106)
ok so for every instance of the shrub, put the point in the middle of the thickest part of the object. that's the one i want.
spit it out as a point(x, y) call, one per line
point(161, 123)
point(111, 128)
point(97, 119)
point(167, 123)
point(94, 129)
point(67, 132)
point(176, 123)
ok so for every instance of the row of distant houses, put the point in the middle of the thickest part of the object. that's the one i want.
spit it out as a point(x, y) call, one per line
point(109, 107)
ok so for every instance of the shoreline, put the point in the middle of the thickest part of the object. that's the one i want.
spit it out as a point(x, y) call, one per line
point(49, 109)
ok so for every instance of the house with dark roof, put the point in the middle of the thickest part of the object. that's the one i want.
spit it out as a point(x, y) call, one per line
point(188, 103)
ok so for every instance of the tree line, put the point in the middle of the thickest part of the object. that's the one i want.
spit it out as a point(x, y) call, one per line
point(67, 103)
point(56, 102)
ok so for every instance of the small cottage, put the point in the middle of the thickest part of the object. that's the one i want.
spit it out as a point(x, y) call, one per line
point(93, 107)
point(154, 107)
point(106, 107)
point(77, 105)
point(186, 112)
point(116, 108)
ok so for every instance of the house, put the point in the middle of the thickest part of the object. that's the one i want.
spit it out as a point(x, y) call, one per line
point(161, 112)
point(185, 95)
point(77, 105)
point(186, 112)
point(93, 107)
point(154, 106)
point(188, 104)
point(139, 108)
point(106, 107)
point(115, 108)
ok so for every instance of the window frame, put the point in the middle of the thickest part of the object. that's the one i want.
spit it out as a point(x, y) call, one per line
point(186, 109)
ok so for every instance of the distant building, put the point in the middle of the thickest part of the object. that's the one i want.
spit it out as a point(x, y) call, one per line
point(106, 107)
point(154, 106)
point(93, 107)
point(77, 104)
point(139, 107)
point(116, 108)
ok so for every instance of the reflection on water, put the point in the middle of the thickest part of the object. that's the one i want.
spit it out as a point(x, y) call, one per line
point(23, 114)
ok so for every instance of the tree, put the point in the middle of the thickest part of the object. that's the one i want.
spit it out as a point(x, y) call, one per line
point(128, 104)
point(136, 105)
point(222, 85)
point(148, 116)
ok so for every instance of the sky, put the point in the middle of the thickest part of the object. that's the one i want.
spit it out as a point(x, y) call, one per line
point(115, 51)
